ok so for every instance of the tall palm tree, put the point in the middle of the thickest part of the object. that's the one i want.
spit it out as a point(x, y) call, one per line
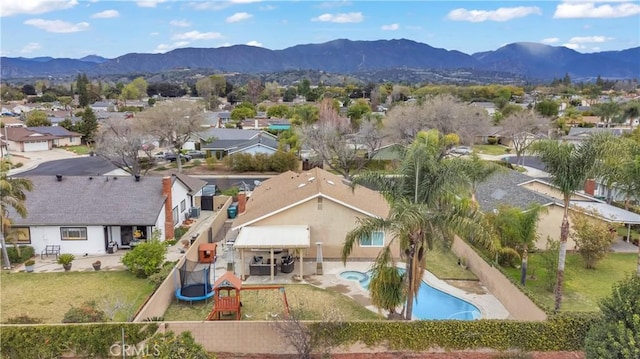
point(11, 195)
point(425, 208)
point(569, 166)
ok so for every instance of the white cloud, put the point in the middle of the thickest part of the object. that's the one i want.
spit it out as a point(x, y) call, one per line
point(162, 48)
point(57, 26)
point(391, 27)
point(340, 18)
point(239, 16)
point(550, 40)
point(333, 4)
point(180, 23)
point(149, 3)
point(107, 14)
point(589, 39)
point(500, 14)
point(180, 43)
point(197, 35)
point(254, 43)
point(578, 10)
point(30, 47)
point(33, 7)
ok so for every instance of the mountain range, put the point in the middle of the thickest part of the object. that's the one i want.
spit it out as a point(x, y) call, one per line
point(531, 61)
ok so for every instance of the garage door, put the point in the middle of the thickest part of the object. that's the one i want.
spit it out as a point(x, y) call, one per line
point(36, 146)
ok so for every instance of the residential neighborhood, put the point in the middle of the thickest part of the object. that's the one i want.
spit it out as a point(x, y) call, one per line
point(395, 205)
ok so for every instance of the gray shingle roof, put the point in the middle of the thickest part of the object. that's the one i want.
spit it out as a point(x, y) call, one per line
point(95, 200)
point(193, 184)
point(504, 188)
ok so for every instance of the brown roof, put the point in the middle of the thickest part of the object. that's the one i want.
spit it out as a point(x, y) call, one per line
point(22, 134)
point(290, 189)
point(228, 280)
point(193, 184)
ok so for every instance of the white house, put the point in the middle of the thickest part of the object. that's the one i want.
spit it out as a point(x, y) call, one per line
point(89, 214)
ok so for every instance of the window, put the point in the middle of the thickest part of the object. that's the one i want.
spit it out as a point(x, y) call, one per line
point(73, 233)
point(20, 234)
point(183, 205)
point(176, 218)
point(375, 239)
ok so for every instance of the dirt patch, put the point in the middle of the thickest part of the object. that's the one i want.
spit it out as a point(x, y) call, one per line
point(469, 286)
point(340, 288)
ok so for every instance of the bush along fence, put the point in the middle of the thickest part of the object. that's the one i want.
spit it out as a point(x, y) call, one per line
point(560, 333)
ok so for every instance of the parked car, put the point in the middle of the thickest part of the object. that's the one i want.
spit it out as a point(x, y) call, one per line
point(196, 154)
point(160, 155)
point(462, 150)
point(172, 157)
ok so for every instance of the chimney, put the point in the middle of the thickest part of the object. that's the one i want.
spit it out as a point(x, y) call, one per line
point(242, 202)
point(137, 177)
point(168, 208)
point(590, 187)
point(59, 177)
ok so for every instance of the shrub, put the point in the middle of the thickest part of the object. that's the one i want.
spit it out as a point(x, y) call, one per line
point(24, 319)
point(260, 162)
point(282, 161)
point(593, 238)
point(19, 254)
point(508, 257)
point(617, 333)
point(168, 345)
point(66, 258)
point(211, 163)
point(550, 263)
point(158, 278)
point(88, 312)
point(179, 232)
point(492, 140)
point(146, 258)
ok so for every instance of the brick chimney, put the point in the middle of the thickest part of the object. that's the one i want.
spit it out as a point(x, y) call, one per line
point(590, 187)
point(242, 202)
point(168, 208)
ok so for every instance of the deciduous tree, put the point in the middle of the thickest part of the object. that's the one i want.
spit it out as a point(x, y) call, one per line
point(37, 118)
point(524, 128)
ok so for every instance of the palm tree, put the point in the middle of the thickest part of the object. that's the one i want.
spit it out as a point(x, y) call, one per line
point(425, 208)
point(11, 195)
point(569, 166)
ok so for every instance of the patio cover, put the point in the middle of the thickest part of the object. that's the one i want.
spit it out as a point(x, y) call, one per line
point(608, 212)
point(273, 237)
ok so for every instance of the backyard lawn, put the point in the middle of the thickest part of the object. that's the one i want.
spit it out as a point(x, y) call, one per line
point(583, 288)
point(79, 150)
point(310, 302)
point(49, 295)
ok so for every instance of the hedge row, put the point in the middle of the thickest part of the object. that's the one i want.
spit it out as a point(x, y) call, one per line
point(83, 340)
point(561, 333)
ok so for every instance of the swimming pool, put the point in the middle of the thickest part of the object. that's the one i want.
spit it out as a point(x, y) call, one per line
point(431, 303)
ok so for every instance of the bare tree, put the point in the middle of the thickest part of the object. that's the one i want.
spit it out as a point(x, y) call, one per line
point(523, 128)
point(125, 143)
point(174, 122)
point(302, 337)
point(444, 112)
point(337, 144)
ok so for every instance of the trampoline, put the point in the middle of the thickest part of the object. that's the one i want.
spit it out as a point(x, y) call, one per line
point(194, 282)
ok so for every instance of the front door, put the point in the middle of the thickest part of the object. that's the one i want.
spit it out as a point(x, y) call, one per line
point(126, 235)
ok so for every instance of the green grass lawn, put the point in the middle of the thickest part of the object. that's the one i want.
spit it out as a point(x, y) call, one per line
point(444, 265)
point(494, 150)
point(48, 296)
point(583, 288)
point(311, 302)
point(80, 150)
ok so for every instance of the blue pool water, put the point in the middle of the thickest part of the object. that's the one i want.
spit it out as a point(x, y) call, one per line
point(431, 303)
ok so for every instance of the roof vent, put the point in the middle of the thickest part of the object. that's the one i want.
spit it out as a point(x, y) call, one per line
point(331, 182)
point(311, 179)
point(59, 177)
point(301, 185)
point(137, 177)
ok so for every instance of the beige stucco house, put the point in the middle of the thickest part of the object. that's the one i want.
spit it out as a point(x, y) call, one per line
point(308, 210)
point(515, 189)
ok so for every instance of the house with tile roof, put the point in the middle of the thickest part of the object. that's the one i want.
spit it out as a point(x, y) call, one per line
point(307, 210)
point(89, 214)
point(517, 190)
point(64, 136)
point(22, 139)
point(221, 142)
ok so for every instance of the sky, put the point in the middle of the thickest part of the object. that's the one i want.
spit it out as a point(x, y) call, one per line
point(77, 28)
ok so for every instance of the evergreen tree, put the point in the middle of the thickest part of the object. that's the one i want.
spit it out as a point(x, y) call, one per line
point(88, 126)
point(82, 83)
